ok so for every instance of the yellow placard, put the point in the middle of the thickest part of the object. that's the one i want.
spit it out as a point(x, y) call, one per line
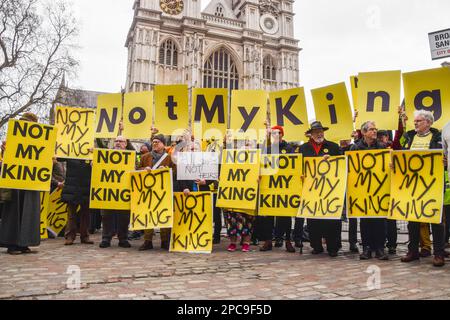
point(248, 114)
point(428, 90)
point(333, 110)
point(75, 127)
point(324, 188)
point(288, 109)
point(210, 113)
point(280, 187)
point(238, 182)
point(28, 159)
point(151, 199)
point(379, 99)
point(368, 183)
point(110, 181)
point(57, 214)
point(417, 186)
point(109, 114)
point(354, 85)
point(171, 109)
point(45, 202)
point(137, 115)
point(193, 223)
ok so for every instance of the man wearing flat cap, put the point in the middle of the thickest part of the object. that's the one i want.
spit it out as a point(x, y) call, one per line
point(318, 146)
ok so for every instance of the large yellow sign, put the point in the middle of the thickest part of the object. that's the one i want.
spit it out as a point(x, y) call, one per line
point(109, 114)
point(333, 109)
point(45, 202)
point(288, 109)
point(324, 188)
point(151, 199)
point(428, 90)
point(171, 109)
point(28, 159)
point(110, 182)
point(75, 127)
point(280, 187)
point(368, 183)
point(238, 183)
point(379, 98)
point(417, 186)
point(193, 223)
point(57, 214)
point(137, 115)
point(248, 114)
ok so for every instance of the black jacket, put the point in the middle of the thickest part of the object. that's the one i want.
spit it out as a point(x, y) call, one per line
point(362, 145)
point(283, 148)
point(78, 182)
point(435, 143)
point(328, 148)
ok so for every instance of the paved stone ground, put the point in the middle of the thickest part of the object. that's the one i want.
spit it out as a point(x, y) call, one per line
point(117, 273)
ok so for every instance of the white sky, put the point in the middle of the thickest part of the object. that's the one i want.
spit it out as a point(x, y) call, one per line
point(339, 38)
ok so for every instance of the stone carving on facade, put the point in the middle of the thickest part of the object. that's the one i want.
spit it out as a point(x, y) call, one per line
point(268, 6)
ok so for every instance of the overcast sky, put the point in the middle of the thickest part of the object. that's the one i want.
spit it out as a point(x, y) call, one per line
point(339, 38)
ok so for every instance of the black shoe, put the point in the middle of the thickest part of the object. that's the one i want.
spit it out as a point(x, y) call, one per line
point(216, 240)
point(333, 254)
point(381, 255)
point(124, 244)
point(298, 244)
point(367, 254)
point(105, 244)
point(354, 248)
point(278, 243)
point(317, 251)
point(392, 250)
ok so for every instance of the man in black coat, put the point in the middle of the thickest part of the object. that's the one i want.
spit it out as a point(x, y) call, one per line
point(318, 146)
point(76, 189)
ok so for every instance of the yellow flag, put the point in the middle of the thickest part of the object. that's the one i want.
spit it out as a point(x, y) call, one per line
point(332, 107)
point(368, 183)
point(280, 187)
point(28, 160)
point(354, 86)
point(57, 214)
point(238, 183)
point(288, 109)
point(379, 99)
point(109, 114)
point(210, 113)
point(137, 115)
point(75, 127)
point(45, 202)
point(248, 114)
point(193, 223)
point(417, 186)
point(428, 90)
point(324, 188)
point(171, 109)
point(110, 181)
point(151, 199)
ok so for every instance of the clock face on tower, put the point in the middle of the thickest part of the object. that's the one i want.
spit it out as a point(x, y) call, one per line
point(172, 7)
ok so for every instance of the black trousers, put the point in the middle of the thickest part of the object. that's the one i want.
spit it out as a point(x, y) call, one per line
point(264, 228)
point(283, 228)
point(115, 221)
point(447, 222)
point(217, 218)
point(438, 237)
point(298, 229)
point(328, 229)
point(353, 230)
point(391, 233)
point(373, 233)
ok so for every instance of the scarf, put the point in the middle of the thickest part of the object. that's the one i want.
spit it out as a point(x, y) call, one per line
point(157, 156)
point(317, 147)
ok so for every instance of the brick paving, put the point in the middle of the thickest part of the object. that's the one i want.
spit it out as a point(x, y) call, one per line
point(125, 274)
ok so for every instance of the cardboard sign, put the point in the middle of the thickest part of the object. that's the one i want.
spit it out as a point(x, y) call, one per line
point(324, 188)
point(368, 183)
point(193, 223)
point(110, 182)
point(57, 214)
point(75, 127)
point(197, 166)
point(171, 109)
point(109, 114)
point(28, 160)
point(280, 187)
point(137, 115)
point(417, 186)
point(45, 202)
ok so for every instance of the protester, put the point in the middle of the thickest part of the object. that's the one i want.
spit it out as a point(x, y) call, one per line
point(121, 217)
point(328, 229)
point(445, 145)
point(21, 218)
point(424, 137)
point(75, 192)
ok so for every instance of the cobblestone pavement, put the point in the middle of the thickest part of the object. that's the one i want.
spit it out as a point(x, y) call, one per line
point(117, 273)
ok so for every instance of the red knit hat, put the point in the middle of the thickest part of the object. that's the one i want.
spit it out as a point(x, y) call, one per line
point(279, 128)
